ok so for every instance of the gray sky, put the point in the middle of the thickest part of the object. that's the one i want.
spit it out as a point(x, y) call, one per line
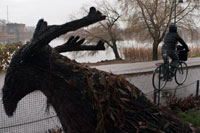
point(30, 11)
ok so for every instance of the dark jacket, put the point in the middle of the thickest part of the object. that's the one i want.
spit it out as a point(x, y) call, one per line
point(172, 38)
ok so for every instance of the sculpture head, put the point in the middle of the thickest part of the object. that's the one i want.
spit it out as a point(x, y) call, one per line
point(21, 79)
point(30, 65)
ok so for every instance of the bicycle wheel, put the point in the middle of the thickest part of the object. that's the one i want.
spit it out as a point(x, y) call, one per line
point(181, 73)
point(158, 77)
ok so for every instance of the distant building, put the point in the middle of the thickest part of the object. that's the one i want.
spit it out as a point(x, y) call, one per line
point(14, 32)
point(13, 28)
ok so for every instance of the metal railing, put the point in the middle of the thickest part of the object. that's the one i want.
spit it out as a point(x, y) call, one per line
point(157, 92)
point(31, 116)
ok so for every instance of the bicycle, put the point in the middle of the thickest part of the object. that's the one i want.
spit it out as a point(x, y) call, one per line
point(163, 73)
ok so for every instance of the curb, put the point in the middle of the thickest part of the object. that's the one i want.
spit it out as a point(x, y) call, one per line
point(150, 71)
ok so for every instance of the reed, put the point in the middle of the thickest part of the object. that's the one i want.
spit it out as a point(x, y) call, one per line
point(145, 53)
point(194, 51)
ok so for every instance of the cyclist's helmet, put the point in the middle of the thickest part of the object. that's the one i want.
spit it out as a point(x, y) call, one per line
point(172, 28)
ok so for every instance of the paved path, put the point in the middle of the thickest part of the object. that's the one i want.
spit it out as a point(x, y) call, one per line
point(139, 67)
point(140, 74)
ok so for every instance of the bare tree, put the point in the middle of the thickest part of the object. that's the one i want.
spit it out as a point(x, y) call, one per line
point(108, 31)
point(149, 19)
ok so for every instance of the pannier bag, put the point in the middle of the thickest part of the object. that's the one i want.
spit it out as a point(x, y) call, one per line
point(182, 53)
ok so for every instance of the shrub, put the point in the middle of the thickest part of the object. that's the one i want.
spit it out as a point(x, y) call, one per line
point(6, 52)
point(183, 104)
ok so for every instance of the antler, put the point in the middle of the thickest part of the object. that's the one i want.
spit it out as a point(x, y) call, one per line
point(74, 44)
point(45, 33)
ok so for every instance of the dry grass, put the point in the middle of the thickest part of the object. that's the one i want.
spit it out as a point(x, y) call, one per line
point(138, 53)
point(145, 54)
point(194, 51)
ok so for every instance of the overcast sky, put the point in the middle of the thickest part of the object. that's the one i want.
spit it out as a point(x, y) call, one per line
point(30, 11)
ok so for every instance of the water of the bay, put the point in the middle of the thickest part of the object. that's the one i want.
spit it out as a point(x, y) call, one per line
point(83, 56)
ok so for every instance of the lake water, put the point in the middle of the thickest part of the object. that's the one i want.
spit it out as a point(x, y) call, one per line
point(79, 56)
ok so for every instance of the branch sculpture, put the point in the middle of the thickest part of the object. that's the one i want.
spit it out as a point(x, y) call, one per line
point(85, 99)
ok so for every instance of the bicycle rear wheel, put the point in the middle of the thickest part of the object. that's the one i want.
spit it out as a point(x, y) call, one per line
point(158, 77)
point(181, 73)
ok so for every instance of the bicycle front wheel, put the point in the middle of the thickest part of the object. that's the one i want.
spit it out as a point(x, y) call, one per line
point(181, 73)
point(158, 78)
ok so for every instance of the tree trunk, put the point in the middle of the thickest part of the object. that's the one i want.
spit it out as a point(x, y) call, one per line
point(155, 50)
point(85, 99)
point(115, 50)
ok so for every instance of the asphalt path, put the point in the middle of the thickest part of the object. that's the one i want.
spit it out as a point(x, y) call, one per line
point(139, 67)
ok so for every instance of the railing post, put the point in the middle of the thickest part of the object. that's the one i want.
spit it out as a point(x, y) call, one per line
point(159, 86)
point(155, 96)
point(197, 89)
point(157, 91)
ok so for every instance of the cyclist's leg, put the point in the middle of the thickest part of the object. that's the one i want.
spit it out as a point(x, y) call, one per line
point(166, 62)
point(174, 61)
point(164, 56)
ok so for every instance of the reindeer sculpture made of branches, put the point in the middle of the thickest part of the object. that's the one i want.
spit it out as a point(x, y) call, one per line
point(85, 99)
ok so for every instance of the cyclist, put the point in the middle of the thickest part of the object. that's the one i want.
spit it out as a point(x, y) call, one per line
point(169, 48)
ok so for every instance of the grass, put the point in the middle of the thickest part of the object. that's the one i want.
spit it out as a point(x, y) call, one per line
point(198, 55)
point(145, 54)
point(192, 116)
